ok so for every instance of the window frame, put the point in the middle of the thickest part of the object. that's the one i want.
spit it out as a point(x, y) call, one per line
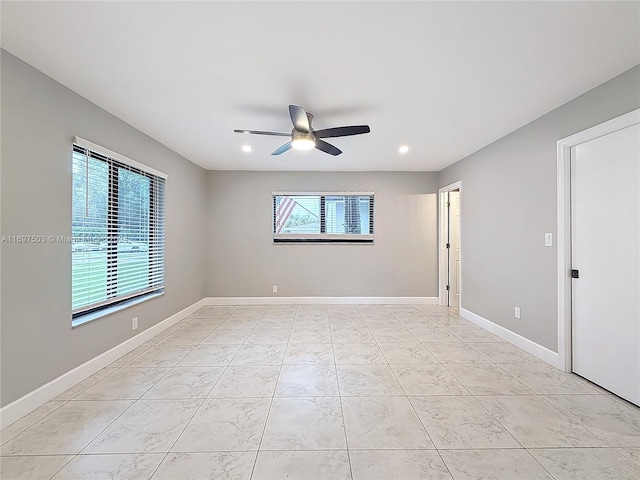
point(156, 249)
point(323, 236)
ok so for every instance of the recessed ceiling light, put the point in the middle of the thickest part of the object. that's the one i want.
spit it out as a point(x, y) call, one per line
point(246, 148)
point(403, 149)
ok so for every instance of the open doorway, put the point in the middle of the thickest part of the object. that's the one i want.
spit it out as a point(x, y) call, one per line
point(450, 246)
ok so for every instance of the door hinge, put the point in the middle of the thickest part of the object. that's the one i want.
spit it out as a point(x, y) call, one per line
point(448, 204)
point(448, 245)
point(448, 288)
point(575, 274)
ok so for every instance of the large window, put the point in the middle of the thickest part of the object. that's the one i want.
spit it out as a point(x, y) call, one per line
point(117, 229)
point(323, 217)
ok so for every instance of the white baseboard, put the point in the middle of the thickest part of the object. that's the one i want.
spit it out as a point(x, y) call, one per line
point(38, 397)
point(543, 353)
point(319, 300)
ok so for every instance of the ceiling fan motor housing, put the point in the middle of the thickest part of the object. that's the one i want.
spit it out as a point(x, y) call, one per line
point(310, 117)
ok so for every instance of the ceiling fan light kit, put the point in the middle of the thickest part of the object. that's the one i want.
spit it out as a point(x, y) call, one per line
point(303, 141)
point(303, 137)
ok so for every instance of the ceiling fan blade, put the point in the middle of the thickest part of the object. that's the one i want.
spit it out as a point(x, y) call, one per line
point(282, 149)
point(299, 118)
point(327, 147)
point(342, 131)
point(260, 132)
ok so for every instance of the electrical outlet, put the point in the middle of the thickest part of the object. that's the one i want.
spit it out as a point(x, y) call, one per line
point(517, 312)
point(275, 289)
point(134, 323)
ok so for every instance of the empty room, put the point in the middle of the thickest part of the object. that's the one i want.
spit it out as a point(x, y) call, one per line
point(320, 240)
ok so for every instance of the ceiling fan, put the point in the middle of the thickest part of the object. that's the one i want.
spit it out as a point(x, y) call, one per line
point(304, 137)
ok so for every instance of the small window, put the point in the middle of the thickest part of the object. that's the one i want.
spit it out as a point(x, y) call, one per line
point(117, 230)
point(323, 217)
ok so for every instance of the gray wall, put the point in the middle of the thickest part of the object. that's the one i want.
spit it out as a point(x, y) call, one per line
point(243, 261)
point(39, 119)
point(508, 202)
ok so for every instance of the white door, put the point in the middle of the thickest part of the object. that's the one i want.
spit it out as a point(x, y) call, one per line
point(605, 225)
point(454, 250)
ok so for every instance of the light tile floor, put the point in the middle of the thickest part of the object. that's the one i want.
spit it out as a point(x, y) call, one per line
point(317, 392)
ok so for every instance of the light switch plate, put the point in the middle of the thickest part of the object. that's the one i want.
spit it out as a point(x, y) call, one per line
point(548, 239)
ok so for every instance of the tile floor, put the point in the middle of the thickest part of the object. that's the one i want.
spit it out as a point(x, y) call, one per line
point(317, 392)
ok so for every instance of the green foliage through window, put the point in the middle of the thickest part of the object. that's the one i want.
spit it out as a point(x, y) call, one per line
point(117, 232)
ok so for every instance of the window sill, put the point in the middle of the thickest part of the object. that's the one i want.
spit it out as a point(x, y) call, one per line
point(91, 317)
point(289, 241)
point(323, 238)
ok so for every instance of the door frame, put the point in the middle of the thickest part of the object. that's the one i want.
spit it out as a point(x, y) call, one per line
point(442, 248)
point(563, 239)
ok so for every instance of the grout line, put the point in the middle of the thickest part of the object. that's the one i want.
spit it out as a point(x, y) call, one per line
point(344, 422)
point(275, 387)
point(573, 418)
point(36, 422)
point(344, 429)
point(194, 413)
point(414, 410)
point(64, 466)
point(541, 465)
point(406, 396)
point(133, 402)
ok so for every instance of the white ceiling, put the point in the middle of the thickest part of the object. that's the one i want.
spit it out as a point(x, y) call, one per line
point(444, 78)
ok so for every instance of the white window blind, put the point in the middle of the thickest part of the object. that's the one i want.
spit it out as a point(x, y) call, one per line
point(117, 230)
point(323, 217)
